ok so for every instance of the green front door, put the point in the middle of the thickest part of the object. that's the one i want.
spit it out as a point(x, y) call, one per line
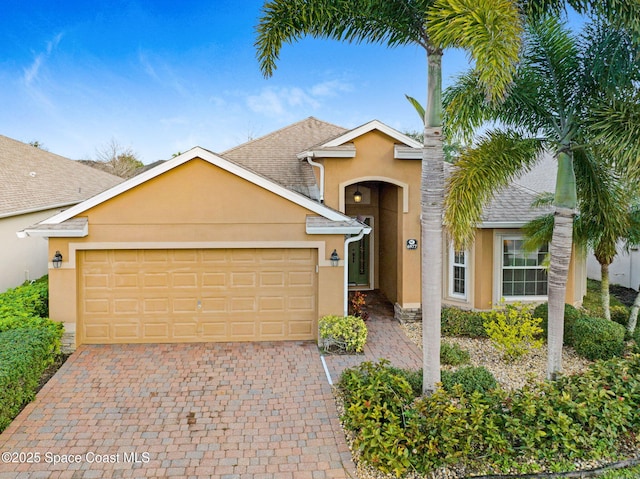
point(358, 261)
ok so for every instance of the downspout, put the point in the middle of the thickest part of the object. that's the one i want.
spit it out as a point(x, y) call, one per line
point(320, 166)
point(347, 242)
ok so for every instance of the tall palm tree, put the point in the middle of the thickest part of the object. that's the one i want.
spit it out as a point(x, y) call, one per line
point(563, 86)
point(607, 216)
point(487, 29)
point(490, 32)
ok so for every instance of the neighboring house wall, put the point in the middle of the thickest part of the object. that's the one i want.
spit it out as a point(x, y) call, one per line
point(23, 259)
point(625, 269)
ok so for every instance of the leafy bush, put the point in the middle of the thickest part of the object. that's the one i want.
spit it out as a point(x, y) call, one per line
point(620, 314)
point(357, 302)
point(513, 330)
point(375, 397)
point(24, 354)
point(576, 418)
point(25, 306)
point(459, 322)
point(470, 379)
point(598, 338)
point(342, 333)
point(453, 355)
point(571, 314)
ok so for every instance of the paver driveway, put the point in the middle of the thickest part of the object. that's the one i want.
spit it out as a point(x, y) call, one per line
point(259, 410)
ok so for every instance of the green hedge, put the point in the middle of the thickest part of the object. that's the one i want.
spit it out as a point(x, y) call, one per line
point(550, 425)
point(597, 338)
point(460, 322)
point(24, 355)
point(25, 306)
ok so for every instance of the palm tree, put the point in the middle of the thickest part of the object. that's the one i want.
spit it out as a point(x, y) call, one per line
point(607, 215)
point(563, 85)
point(490, 32)
point(487, 29)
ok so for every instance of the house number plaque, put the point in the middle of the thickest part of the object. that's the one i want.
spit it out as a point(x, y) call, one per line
point(412, 244)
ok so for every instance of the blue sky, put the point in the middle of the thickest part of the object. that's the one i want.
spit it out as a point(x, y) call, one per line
point(164, 76)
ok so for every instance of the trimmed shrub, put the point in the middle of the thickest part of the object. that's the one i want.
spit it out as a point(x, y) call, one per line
point(24, 355)
point(26, 306)
point(459, 322)
point(571, 314)
point(342, 333)
point(453, 355)
point(470, 379)
point(620, 314)
point(547, 426)
point(597, 338)
point(513, 330)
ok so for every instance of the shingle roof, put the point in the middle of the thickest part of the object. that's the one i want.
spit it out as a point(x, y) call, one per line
point(274, 155)
point(33, 179)
point(512, 205)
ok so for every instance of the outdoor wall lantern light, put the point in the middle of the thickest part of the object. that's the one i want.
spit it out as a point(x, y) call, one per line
point(357, 196)
point(57, 260)
point(335, 259)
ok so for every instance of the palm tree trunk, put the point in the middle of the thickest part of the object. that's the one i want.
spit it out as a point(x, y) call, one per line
point(604, 290)
point(560, 250)
point(432, 199)
point(633, 316)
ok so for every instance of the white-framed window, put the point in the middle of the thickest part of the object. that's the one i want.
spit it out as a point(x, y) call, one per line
point(458, 273)
point(522, 273)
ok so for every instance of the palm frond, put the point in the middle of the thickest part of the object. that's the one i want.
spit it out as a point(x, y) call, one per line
point(538, 232)
point(417, 106)
point(389, 22)
point(489, 30)
point(499, 158)
point(614, 127)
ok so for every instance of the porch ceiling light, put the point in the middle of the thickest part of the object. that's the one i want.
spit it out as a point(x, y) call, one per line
point(335, 258)
point(357, 196)
point(57, 260)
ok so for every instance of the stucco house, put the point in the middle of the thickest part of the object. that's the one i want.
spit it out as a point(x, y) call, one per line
point(37, 184)
point(260, 241)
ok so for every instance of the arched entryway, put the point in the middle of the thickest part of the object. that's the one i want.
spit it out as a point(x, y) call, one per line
point(374, 261)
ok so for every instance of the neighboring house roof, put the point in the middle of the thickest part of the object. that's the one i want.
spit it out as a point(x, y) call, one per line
point(70, 226)
point(275, 155)
point(34, 179)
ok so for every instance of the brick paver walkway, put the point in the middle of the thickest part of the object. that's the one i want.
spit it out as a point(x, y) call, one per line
point(243, 410)
point(385, 340)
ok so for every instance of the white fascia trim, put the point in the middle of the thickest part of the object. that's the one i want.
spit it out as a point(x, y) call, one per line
point(61, 233)
point(328, 153)
point(206, 155)
point(334, 230)
point(366, 128)
point(501, 224)
point(401, 152)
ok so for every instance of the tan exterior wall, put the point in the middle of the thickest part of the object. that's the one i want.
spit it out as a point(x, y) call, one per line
point(483, 266)
point(181, 209)
point(374, 162)
point(486, 267)
point(23, 258)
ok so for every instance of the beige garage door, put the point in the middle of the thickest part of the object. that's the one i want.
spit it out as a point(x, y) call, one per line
point(136, 296)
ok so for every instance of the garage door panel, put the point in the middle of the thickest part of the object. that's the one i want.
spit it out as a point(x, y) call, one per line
point(184, 280)
point(126, 306)
point(126, 331)
point(96, 280)
point(197, 295)
point(302, 279)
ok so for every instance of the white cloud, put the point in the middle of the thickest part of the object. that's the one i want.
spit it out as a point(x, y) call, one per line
point(32, 71)
point(282, 101)
point(330, 88)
